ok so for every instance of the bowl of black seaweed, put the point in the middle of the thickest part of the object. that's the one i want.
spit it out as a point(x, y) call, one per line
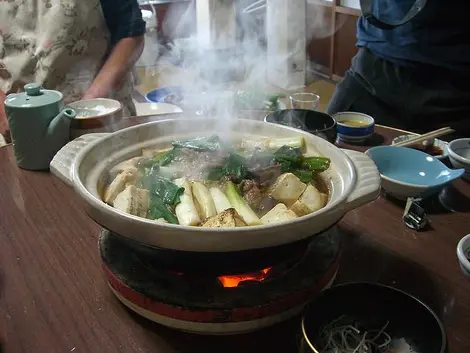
point(372, 318)
point(317, 123)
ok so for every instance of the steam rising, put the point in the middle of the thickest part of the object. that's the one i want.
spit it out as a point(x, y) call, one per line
point(227, 50)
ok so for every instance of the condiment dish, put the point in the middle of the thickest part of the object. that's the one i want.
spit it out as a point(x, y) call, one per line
point(407, 172)
point(459, 155)
point(354, 127)
point(95, 115)
point(436, 148)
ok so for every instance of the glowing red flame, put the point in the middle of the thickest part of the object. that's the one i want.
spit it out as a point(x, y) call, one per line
point(234, 280)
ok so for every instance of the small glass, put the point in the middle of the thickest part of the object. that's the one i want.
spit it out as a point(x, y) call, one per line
point(308, 101)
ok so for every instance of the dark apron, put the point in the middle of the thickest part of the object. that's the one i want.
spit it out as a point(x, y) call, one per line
point(413, 98)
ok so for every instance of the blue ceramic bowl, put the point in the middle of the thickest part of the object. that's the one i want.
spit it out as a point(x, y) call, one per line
point(354, 134)
point(407, 172)
point(158, 95)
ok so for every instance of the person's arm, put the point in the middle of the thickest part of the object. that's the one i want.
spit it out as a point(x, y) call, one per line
point(126, 26)
point(121, 60)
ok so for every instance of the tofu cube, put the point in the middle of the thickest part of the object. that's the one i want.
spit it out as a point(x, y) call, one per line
point(310, 201)
point(133, 200)
point(287, 189)
point(127, 177)
point(225, 219)
point(128, 164)
point(279, 213)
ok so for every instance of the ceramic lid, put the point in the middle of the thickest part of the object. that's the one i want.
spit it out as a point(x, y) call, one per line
point(33, 96)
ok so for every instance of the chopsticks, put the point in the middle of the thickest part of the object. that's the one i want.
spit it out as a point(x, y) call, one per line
point(428, 136)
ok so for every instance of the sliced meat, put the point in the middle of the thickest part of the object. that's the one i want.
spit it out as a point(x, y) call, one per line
point(266, 176)
point(251, 193)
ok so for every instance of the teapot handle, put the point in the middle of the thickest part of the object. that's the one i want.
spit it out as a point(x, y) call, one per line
point(61, 164)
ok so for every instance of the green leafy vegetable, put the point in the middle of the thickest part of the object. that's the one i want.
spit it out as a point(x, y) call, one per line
point(317, 164)
point(305, 176)
point(158, 210)
point(167, 191)
point(234, 166)
point(163, 194)
point(211, 143)
point(291, 160)
point(169, 156)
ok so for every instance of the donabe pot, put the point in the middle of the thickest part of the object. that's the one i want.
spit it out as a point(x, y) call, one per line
point(353, 180)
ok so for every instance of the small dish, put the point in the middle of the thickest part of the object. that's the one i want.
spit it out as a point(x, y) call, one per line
point(407, 172)
point(463, 254)
point(156, 109)
point(354, 127)
point(95, 115)
point(439, 148)
point(459, 155)
point(317, 123)
point(171, 95)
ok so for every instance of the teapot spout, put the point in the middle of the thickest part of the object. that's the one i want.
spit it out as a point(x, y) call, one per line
point(60, 125)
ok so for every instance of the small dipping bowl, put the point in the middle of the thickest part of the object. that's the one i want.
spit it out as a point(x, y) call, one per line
point(463, 254)
point(407, 172)
point(95, 115)
point(459, 155)
point(354, 128)
point(316, 123)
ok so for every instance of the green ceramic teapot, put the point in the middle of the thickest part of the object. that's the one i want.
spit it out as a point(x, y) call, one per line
point(39, 125)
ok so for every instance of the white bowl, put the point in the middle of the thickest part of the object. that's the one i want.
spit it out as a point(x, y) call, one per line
point(459, 155)
point(97, 107)
point(156, 109)
point(463, 250)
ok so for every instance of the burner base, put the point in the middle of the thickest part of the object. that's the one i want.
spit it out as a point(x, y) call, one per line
point(201, 304)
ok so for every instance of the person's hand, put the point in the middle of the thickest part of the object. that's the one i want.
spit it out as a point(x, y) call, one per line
point(97, 90)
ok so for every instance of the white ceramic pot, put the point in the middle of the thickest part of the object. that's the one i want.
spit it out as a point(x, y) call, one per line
point(353, 179)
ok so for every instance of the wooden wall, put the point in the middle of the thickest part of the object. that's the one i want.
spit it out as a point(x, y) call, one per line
point(332, 48)
point(332, 29)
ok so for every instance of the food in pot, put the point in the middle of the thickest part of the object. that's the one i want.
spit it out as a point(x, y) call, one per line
point(209, 182)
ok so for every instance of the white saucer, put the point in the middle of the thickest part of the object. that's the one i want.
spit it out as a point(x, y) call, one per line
point(156, 108)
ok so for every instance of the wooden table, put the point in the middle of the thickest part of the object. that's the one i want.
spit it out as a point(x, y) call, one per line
point(54, 298)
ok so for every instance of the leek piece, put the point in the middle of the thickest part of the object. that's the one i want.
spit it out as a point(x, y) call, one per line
point(245, 212)
point(220, 200)
point(186, 211)
point(294, 142)
point(204, 199)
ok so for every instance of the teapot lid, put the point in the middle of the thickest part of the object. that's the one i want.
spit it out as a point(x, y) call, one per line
point(33, 96)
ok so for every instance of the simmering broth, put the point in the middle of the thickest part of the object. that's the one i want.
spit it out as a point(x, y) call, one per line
point(354, 123)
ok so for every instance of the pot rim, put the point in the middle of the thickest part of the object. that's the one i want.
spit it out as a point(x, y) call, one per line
point(90, 198)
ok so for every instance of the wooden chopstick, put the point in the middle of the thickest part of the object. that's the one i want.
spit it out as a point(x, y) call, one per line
point(428, 136)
